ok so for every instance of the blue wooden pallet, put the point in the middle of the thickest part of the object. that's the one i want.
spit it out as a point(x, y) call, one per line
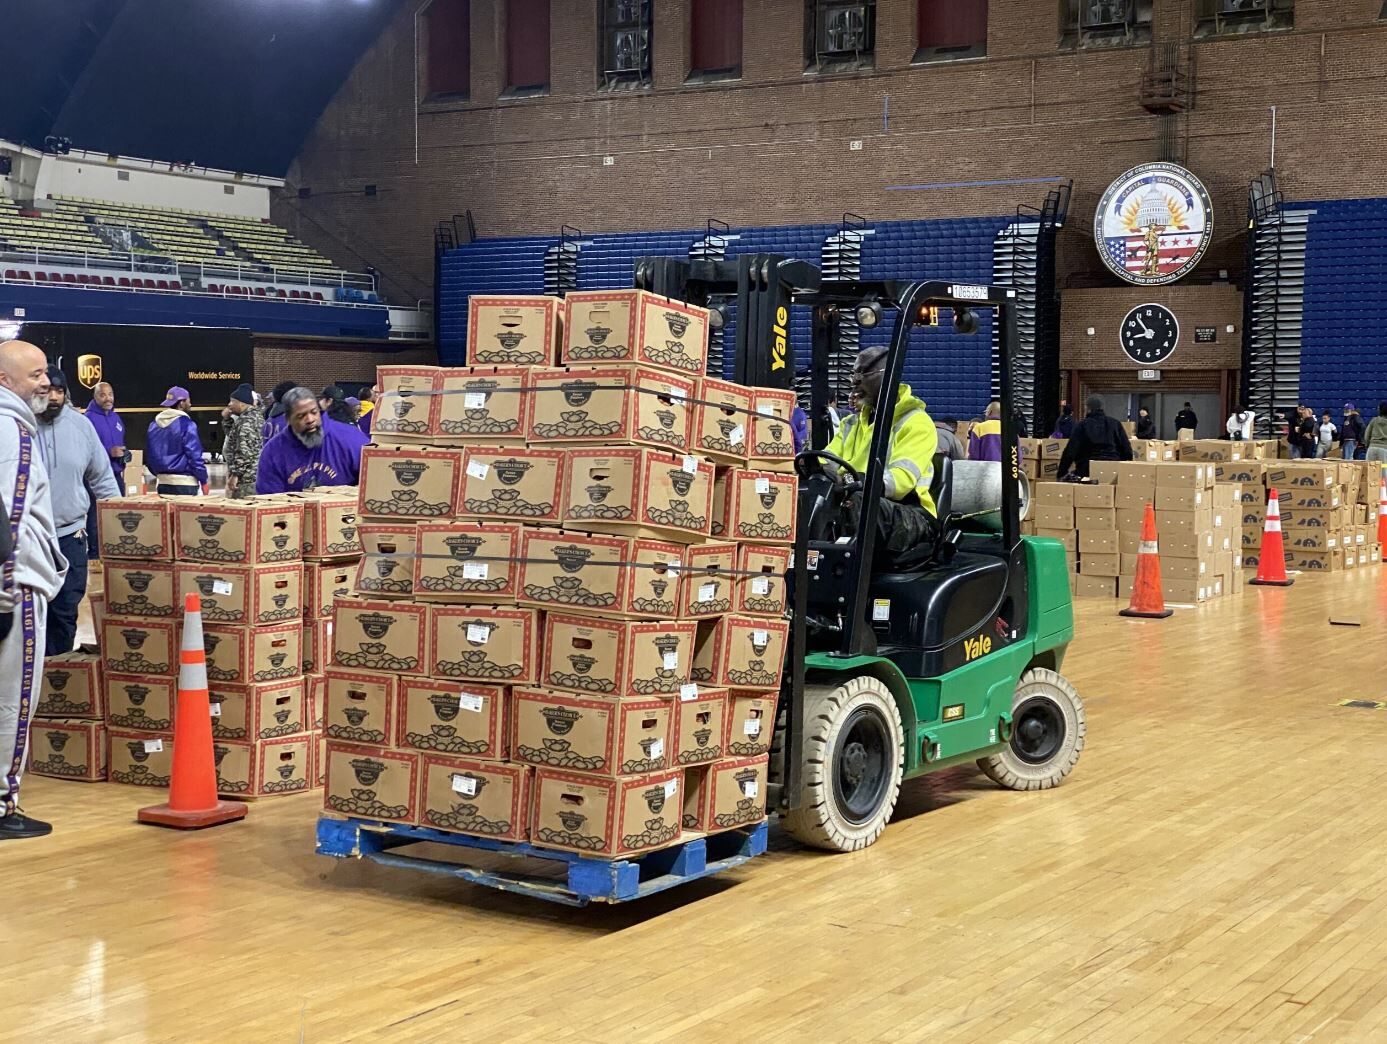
point(586, 879)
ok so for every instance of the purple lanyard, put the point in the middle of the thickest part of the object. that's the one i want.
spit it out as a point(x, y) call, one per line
point(21, 494)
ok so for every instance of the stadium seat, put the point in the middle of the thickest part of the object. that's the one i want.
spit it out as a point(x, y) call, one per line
point(317, 296)
point(68, 277)
point(107, 281)
point(161, 284)
point(123, 281)
point(10, 273)
point(40, 277)
point(259, 291)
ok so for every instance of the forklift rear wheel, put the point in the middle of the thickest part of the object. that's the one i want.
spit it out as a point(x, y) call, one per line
point(1047, 734)
point(854, 747)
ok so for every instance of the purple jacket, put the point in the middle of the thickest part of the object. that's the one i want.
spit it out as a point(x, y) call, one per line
point(364, 422)
point(288, 466)
point(275, 424)
point(173, 448)
point(110, 429)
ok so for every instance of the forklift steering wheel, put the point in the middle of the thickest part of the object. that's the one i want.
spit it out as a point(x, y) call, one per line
point(804, 459)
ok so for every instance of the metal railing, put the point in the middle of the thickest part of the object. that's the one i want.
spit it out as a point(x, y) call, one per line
point(158, 264)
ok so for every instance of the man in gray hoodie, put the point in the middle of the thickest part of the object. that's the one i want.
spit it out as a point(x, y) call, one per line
point(76, 461)
point(30, 575)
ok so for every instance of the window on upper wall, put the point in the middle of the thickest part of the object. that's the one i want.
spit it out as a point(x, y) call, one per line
point(625, 42)
point(448, 48)
point(949, 29)
point(1242, 16)
point(839, 36)
point(1105, 23)
point(715, 39)
point(527, 46)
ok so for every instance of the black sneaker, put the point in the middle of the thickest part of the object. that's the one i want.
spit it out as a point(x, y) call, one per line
point(17, 824)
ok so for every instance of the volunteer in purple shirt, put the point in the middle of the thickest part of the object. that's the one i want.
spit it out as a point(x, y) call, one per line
point(101, 411)
point(311, 451)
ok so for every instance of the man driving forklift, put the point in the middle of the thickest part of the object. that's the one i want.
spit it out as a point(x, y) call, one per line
point(907, 529)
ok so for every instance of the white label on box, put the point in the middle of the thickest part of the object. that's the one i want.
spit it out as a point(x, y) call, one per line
point(750, 788)
point(671, 788)
point(761, 585)
point(473, 401)
point(221, 587)
point(691, 465)
point(763, 485)
point(760, 637)
point(752, 726)
point(707, 592)
point(465, 785)
point(673, 567)
point(470, 701)
point(881, 610)
point(153, 746)
point(688, 692)
point(479, 633)
point(736, 436)
point(672, 660)
point(477, 469)
point(657, 748)
point(216, 707)
point(676, 396)
point(475, 570)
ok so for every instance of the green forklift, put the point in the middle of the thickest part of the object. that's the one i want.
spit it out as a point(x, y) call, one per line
point(892, 675)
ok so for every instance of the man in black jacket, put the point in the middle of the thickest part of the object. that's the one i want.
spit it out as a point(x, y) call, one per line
point(1186, 419)
point(1096, 437)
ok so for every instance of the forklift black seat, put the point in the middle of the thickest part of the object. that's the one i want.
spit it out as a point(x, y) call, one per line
point(941, 486)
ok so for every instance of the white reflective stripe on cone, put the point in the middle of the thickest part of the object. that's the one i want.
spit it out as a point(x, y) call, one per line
point(1273, 525)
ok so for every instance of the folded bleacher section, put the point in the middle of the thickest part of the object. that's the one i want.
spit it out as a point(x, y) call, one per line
point(952, 373)
point(1345, 306)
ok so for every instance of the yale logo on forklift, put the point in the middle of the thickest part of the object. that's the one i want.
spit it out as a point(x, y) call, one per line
point(780, 338)
point(975, 647)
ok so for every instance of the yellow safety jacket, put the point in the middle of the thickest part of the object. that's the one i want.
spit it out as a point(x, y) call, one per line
point(910, 459)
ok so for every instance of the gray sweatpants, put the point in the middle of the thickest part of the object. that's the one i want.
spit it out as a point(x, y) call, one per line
point(1378, 454)
point(21, 674)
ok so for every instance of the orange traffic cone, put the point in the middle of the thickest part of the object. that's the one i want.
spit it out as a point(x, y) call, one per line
point(1271, 566)
point(193, 801)
point(1382, 516)
point(1148, 601)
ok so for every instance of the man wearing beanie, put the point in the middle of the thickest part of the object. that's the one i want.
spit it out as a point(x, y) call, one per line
point(76, 460)
point(245, 435)
point(1096, 437)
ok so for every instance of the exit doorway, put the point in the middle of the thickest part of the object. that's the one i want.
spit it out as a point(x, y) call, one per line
point(1123, 396)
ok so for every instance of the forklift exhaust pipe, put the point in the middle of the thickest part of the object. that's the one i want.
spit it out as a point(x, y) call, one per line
point(977, 492)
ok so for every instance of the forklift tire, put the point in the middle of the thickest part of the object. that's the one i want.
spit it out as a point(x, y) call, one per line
point(1047, 734)
point(854, 748)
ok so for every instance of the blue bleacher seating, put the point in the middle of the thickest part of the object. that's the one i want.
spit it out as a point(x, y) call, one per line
point(952, 373)
point(1345, 306)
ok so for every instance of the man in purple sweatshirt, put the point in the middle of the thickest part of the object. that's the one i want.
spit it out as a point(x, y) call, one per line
point(311, 451)
point(110, 429)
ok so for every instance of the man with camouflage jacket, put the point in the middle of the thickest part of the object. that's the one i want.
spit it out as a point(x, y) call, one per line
point(245, 436)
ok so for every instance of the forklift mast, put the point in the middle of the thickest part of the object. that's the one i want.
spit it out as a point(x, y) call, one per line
point(765, 287)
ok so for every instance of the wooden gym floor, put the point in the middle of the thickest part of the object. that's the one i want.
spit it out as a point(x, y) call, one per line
point(1215, 869)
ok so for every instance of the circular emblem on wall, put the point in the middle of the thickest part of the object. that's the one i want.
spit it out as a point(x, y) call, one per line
point(1149, 334)
point(1154, 224)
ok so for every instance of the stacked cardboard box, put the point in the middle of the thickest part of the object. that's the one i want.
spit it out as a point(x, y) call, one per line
point(1100, 523)
point(1040, 458)
point(244, 560)
point(1328, 514)
point(67, 738)
point(544, 642)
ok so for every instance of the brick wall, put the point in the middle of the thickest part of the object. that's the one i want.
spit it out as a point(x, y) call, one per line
point(1102, 310)
point(316, 364)
point(773, 147)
